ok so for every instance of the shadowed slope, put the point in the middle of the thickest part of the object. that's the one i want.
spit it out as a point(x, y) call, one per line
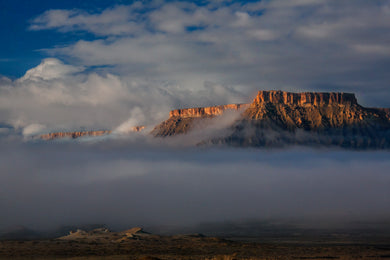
point(182, 121)
point(278, 118)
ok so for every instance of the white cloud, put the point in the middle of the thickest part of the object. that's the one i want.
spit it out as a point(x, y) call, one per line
point(263, 35)
point(295, 3)
point(243, 19)
point(137, 118)
point(284, 5)
point(291, 45)
point(52, 19)
point(51, 95)
point(172, 19)
point(33, 129)
point(316, 31)
point(375, 49)
point(5, 81)
point(49, 69)
point(118, 20)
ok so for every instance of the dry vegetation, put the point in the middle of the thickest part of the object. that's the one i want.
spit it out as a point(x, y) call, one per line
point(123, 245)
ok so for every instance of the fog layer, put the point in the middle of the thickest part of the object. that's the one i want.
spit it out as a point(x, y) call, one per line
point(122, 185)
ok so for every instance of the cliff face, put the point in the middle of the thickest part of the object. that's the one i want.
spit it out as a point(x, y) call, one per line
point(277, 118)
point(305, 98)
point(73, 135)
point(181, 121)
point(205, 111)
point(309, 110)
point(77, 134)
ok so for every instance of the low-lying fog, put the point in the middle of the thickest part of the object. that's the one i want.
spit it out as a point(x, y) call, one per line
point(122, 184)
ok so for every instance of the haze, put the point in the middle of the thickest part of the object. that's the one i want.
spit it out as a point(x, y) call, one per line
point(71, 65)
point(124, 184)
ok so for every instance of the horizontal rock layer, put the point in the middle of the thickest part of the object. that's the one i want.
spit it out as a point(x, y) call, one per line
point(181, 121)
point(77, 134)
point(305, 98)
point(205, 111)
point(278, 118)
point(74, 135)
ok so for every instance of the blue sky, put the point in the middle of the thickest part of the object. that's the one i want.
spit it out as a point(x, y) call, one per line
point(20, 47)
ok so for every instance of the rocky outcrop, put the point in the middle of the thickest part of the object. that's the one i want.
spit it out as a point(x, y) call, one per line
point(205, 111)
point(77, 134)
point(313, 111)
point(73, 135)
point(182, 121)
point(137, 128)
point(104, 234)
point(278, 118)
point(308, 110)
point(305, 98)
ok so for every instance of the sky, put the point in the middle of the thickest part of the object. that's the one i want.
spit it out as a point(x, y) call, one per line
point(99, 64)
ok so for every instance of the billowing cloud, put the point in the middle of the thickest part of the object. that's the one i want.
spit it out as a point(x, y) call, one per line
point(118, 20)
point(49, 69)
point(137, 118)
point(65, 97)
point(33, 129)
point(289, 45)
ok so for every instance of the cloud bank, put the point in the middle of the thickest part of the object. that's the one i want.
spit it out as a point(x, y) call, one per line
point(289, 45)
point(124, 185)
point(60, 96)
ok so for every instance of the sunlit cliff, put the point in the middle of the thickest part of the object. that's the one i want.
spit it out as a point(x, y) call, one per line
point(279, 118)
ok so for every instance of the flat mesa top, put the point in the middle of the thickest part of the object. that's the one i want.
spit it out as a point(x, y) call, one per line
point(273, 96)
point(314, 98)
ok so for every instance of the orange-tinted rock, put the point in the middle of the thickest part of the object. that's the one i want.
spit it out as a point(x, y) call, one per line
point(138, 128)
point(305, 98)
point(205, 111)
point(74, 135)
point(181, 121)
point(77, 134)
point(309, 110)
point(277, 118)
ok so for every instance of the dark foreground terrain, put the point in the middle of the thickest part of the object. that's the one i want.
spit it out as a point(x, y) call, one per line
point(136, 244)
